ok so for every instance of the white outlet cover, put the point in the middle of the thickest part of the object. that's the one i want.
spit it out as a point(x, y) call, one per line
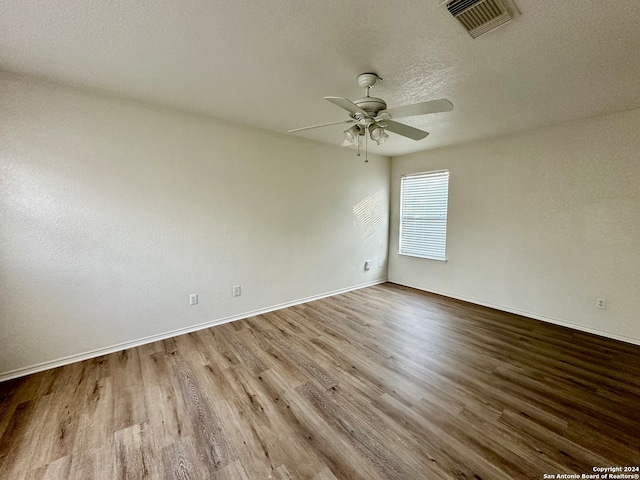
point(193, 299)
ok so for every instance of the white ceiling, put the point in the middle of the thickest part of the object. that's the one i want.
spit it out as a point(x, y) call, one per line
point(268, 64)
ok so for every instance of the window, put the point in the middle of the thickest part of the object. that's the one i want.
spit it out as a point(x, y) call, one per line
point(423, 214)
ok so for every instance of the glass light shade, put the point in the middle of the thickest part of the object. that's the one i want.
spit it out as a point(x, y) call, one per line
point(375, 132)
point(382, 138)
point(352, 133)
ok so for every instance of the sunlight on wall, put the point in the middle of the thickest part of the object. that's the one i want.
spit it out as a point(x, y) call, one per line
point(368, 215)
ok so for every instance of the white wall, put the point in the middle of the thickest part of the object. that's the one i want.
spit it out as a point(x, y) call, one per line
point(113, 211)
point(540, 223)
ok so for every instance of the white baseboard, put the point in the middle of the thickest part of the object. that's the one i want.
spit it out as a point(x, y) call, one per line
point(21, 372)
point(525, 313)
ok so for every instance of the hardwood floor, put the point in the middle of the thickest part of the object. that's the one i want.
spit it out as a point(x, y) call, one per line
point(380, 383)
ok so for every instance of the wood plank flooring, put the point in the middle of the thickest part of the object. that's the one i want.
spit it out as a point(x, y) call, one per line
point(381, 383)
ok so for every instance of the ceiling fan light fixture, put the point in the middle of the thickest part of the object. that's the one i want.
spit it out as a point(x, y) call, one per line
point(351, 134)
point(382, 138)
point(375, 131)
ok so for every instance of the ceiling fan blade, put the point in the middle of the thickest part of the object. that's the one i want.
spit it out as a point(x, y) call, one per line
point(321, 125)
point(432, 106)
point(405, 130)
point(347, 104)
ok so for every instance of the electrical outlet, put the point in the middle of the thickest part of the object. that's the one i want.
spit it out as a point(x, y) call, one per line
point(367, 265)
point(193, 299)
point(237, 291)
point(601, 303)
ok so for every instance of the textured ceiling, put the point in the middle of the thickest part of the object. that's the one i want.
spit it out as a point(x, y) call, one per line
point(268, 64)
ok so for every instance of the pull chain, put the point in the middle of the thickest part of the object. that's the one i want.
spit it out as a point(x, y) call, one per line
point(366, 145)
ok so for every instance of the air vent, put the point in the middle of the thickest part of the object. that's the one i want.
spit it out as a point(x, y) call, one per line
point(481, 16)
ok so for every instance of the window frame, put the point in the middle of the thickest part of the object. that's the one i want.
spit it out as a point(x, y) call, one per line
point(403, 216)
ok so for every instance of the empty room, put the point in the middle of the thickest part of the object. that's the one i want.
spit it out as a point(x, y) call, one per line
point(319, 240)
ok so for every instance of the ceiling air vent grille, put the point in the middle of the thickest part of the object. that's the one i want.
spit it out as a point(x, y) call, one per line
point(481, 16)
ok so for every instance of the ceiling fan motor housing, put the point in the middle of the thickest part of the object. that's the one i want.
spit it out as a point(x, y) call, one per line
point(371, 105)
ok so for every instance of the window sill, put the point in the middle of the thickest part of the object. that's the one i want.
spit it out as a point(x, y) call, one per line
point(443, 260)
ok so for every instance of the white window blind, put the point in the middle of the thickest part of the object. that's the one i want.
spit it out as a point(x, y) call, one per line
point(423, 214)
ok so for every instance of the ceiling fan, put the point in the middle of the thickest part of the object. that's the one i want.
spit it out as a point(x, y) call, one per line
point(372, 119)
